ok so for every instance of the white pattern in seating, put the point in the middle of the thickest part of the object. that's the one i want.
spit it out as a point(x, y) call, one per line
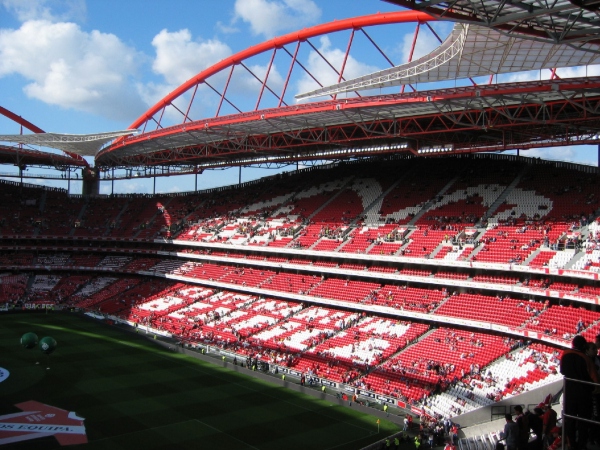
point(504, 371)
point(257, 320)
point(271, 333)
point(258, 206)
point(161, 303)
point(54, 260)
point(365, 351)
point(561, 259)
point(523, 202)
point(44, 283)
point(114, 261)
point(489, 193)
point(97, 284)
point(384, 327)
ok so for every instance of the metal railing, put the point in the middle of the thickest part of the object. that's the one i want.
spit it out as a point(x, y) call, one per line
point(567, 418)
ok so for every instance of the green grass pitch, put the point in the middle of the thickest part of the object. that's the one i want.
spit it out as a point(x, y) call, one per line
point(134, 394)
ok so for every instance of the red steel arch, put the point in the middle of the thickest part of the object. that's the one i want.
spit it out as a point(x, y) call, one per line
point(18, 119)
point(278, 42)
point(465, 119)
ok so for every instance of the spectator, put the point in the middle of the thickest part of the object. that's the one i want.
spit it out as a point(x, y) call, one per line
point(536, 425)
point(555, 439)
point(549, 420)
point(510, 434)
point(523, 424)
point(576, 366)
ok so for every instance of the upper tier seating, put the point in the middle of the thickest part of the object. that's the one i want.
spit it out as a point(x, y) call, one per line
point(20, 210)
point(500, 310)
point(563, 322)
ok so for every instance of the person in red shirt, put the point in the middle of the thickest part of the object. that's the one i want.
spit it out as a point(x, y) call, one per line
point(549, 420)
point(454, 433)
point(555, 439)
point(449, 446)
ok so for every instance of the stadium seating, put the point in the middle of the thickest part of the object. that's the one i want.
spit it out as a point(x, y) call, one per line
point(396, 246)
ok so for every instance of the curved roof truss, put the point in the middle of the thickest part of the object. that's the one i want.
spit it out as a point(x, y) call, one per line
point(470, 51)
point(35, 157)
point(473, 118)
point(155, 113)
point(78, 144)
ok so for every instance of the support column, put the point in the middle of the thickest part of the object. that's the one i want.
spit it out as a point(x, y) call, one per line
point(90, 179)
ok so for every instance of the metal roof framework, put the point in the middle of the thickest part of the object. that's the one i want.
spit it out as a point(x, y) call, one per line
point(469, 51)
point(79, 144)
point(462, 119)
point(466, 119)
point(572, 22)
point(20, 156)
point(475, 118)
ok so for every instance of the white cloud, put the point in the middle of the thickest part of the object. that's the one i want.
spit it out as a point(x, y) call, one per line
point(581, 71)
point(582, 154)
point(426, 41)
point(324, 73)
point(178, 58)
point(51, 10)
point(556, 153)
point(545, 74)
point(269, 17)
point(521, 76)
point(227, 29)
point(127, 187)
point(71, 68)
point(172, 188)
point(244, 85)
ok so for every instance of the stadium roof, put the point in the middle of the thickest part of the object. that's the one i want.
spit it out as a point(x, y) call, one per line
point(572, 22)
point(473, 118)
point(27, 157)
point(469, 51)
point(80, 144)
point(490, 37)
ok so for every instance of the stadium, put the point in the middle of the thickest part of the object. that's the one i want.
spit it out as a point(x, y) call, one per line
point(414, 259)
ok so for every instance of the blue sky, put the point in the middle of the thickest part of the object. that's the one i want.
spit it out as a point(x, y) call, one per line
point(77, 66)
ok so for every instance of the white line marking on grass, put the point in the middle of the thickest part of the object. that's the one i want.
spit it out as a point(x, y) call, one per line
point(227, 434)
